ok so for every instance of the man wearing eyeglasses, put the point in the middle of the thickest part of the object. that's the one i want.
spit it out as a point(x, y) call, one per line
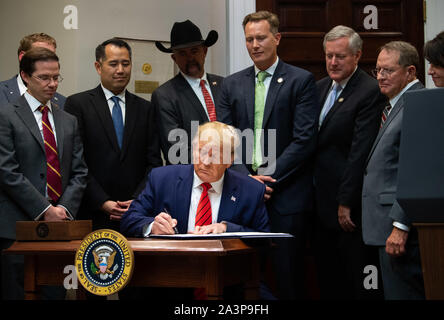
point(348, 124)
point(12, 89)
point(42, 172)
point(384, 223)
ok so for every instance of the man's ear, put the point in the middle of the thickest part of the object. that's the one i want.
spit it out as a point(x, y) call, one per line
point(98, 67)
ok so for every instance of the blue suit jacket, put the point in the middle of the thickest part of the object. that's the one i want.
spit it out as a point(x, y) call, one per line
point(242, 205)
point(292, 110)
point(10, 93)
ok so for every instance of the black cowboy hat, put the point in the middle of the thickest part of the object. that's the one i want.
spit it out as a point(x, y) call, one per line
point(186, 34)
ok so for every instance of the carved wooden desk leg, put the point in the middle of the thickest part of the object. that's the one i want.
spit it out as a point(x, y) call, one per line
point(30, 280)
point(214, 283)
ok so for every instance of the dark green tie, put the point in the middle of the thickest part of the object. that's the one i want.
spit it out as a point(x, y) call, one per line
point(259, 105)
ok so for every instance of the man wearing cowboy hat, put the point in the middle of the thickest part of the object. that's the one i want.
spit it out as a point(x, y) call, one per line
point(190, 96)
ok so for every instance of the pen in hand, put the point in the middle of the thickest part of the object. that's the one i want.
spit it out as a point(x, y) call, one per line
point(175, 227)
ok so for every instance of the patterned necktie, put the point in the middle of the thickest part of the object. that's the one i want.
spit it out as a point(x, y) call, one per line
point(329, 102)
point(259, 106)
point(208, 101)
point(53, 177)
point(117, 120)
point(385, 114)
point(203, 213)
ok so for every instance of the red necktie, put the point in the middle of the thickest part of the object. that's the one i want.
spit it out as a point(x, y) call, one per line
point(53, 177)
point(203, 213)
point(385, 113)
point(208, 101)
point(203, 218)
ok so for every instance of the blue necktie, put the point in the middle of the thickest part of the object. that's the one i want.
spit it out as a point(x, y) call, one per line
point(329, 102)
point(118, 120)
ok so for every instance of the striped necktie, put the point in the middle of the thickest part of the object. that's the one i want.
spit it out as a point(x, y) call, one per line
point(259, 106)
point(53, 177)
point(385, 114)
point(208, 101)
point(203, 213)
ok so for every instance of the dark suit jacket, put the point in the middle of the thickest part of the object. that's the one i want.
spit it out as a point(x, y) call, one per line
point(344, 141)
point(114, 174)
point(177, 105)
point(23, 165)
point(379, 205)
point(292, 109)
point(242, 205)
point(9, 92)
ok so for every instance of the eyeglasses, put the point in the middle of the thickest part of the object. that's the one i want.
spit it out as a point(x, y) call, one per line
point(383, 71)
point(47, 79)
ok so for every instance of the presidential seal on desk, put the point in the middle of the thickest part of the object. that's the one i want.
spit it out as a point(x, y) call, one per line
point(104, 262)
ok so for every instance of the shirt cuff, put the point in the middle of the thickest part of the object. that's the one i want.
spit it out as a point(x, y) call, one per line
point(401, 226)
point(70, 217)
point(41, 214)
point(147, 230)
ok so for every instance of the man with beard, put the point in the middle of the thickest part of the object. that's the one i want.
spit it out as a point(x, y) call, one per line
point(190, 96)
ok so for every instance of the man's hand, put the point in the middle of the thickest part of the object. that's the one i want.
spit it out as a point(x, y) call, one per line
point(344, 219)
point(211, 228)
point(114, 210)
point(163, 224)
point(268, 190)
point(395, 244)
point(55, 214)
point(124, 204)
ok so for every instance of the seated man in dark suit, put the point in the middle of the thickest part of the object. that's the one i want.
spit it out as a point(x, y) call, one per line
point(205, 197)
point(12, 89)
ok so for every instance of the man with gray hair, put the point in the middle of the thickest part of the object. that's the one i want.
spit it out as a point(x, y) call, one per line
point(348, 124)
point(384, 223)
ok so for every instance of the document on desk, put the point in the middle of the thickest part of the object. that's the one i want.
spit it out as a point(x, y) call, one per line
point(225, 235)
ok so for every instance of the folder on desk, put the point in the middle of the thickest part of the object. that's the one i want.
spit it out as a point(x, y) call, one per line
point(225, 235)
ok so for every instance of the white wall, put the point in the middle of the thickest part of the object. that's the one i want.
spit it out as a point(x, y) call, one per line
point(433, 26)
point(98, 21)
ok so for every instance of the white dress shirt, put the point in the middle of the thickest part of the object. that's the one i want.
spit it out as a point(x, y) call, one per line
point(122, 101)
point(214, 194)
point(34, 104)
point(195, 85)
point(267, 80)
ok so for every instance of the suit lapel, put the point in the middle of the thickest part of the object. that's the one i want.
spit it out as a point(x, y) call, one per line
point(11, 89)
point(345, 94)
point(101, 106)
point(249, 87)
point(24, 112)
point(131, 116)
point(276, 84)
point(60, 132)
point(396, 109)
point(183, 197)
point(229, 199)
point(214, 87)
point(193, 101)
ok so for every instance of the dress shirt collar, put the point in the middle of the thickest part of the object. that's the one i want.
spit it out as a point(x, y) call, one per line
point(34, 104)
point(394, 100)
point(195, 82)
point(216, 186)
point(21, 85)
point(109, 94)
point(270, 70)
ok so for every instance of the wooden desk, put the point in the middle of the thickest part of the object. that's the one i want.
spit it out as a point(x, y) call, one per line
point(210, 264)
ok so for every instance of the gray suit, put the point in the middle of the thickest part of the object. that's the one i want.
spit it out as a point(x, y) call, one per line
point(380, 207)
point(23, 165)
point(10, 92)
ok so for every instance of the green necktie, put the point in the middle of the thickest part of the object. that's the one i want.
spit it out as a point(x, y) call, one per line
point(259, 105)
